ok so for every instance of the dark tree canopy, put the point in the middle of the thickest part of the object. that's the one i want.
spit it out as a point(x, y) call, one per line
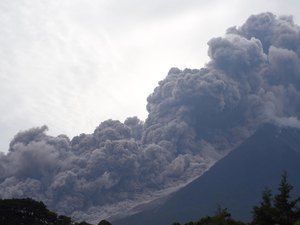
point(30, 212)
point(280, 209)
point(221, 217)
point(104, 222)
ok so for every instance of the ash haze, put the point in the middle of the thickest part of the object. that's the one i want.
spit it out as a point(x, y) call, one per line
point(72, 64)
point(195, 117)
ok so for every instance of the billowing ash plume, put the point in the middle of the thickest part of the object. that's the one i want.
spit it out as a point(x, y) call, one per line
point(195, 117)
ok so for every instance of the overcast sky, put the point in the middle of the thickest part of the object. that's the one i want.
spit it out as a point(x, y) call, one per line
point(71, 64)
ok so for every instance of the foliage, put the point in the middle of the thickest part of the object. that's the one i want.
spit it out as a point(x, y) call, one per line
point(221, 217)
point(30, 212)
point(263, 214)
point(273, 210)
point(281, 209)
point(104, 222)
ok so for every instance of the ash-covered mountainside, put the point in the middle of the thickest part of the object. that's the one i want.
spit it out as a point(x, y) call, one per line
point(235, 182)
point(195, 118)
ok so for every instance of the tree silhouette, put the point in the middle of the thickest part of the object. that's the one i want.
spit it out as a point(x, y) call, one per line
point(222, 217)
point(285, 209)
point(30, 212)
point(104, 222)
point(263, 214)
point(279, 210)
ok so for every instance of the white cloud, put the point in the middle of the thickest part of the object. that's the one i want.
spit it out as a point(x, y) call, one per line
point(72, 64)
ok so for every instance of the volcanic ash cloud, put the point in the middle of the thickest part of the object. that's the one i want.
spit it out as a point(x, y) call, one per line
point(195, 117)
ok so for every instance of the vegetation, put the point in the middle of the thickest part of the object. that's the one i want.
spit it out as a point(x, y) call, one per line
point(30, 212)
point(280, 209)
point(104, 222)
point(277, 210)
point(222, 217)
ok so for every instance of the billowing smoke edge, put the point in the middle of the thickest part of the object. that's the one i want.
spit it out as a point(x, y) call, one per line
point(195, 118)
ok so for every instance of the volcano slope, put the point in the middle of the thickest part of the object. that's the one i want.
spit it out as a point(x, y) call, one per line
point(196, 117)
point(235, 182)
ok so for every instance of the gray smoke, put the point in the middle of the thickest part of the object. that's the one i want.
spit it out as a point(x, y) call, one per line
point(195, 118)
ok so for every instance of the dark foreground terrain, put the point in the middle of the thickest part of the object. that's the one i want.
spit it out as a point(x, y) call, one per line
point(279, 209)
point(30, 212)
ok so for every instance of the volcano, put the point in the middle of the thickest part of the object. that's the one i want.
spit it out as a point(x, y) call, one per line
point(235, 182)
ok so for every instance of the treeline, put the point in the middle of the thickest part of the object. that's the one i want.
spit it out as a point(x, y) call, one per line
point(280, 209)
point(30, 212)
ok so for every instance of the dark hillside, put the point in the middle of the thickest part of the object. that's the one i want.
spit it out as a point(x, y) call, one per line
point(30, 212)
point(235, 182)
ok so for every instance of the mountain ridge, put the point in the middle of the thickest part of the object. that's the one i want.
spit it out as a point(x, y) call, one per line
point(234, 182)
